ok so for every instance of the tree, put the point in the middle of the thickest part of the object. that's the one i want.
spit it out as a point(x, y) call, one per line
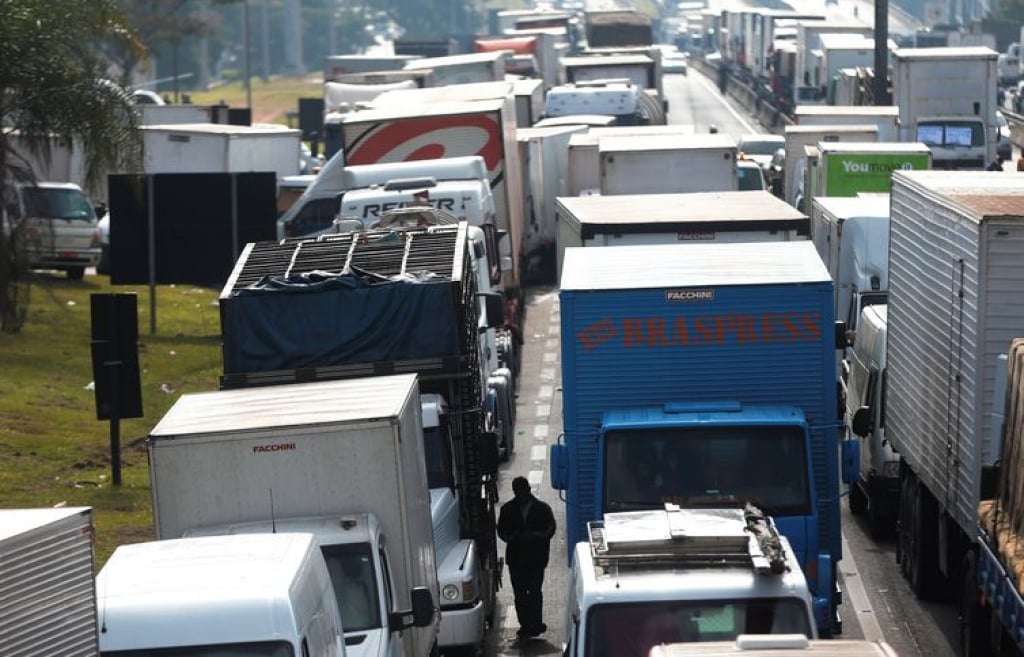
point(54, 92)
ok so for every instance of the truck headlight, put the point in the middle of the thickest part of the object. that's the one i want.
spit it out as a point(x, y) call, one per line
point(450, 592)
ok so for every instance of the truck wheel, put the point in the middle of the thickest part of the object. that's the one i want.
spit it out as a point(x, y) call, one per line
point(76, 273)
point(857, 499)
point(922, 571)
point(974, 616)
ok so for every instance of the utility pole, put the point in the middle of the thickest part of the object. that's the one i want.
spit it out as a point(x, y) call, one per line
point(266, 39)
point(246, 39)
point(881, 79)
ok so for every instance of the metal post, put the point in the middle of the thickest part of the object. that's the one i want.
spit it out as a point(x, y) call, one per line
point(881, 80)
point(152, 253)
point(248, 70)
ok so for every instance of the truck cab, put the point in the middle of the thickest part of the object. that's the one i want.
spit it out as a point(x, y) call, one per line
point(871, 466)
point(957, 142)
point(645, 578)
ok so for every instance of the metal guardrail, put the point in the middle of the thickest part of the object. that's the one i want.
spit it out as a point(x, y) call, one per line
point(767, 114)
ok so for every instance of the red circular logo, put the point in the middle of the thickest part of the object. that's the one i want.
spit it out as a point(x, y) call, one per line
point(426, 138)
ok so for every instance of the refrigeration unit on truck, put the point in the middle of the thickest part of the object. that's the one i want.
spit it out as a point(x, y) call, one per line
point(343, 460)
point(992, 607)
point(955, 273)
point(408, 300)
point(256, 595)
point(444, 130)
point(220, 148)
point(46, 575)
point(645, 578)
point(665, 164)
point(632, 219)
point(947, 100)
point(657, 348)
point(851, 234)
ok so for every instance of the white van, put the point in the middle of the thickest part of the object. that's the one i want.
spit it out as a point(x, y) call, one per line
point(874, 475)
point(262, 595)
point(55, 224)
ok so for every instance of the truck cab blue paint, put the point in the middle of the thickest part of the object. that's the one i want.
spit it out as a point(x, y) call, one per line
point(851, 459)
point(703, 337)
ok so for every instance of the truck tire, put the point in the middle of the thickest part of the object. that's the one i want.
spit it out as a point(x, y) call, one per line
point(974, 616)
point(918, 549)
point(857, 500)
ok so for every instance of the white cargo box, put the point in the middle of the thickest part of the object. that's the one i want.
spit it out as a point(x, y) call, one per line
point(675, 218)
point(219, 148)
point(955, 303)
point(799, 136)
point(667, 164)
point(584, 163)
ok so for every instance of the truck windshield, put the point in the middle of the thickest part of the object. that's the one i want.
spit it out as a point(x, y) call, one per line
point(438, 454)
point(258, 649)
point(355, 585)
point(707, 466)
point(69, 204)
point(951, 133)
point(631, 630)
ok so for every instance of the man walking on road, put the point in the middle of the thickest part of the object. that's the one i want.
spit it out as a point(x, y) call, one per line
point(527, 525)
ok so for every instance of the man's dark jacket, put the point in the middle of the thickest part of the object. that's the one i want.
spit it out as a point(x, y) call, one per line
point(529, 541)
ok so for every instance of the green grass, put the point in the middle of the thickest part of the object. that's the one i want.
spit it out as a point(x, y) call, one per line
point(53, 450)
point(271, 100)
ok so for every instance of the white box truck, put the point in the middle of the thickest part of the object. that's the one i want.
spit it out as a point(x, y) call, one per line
point(340, 459)
point(463, 69)
point(886, 117)
point(219, 148)
point(675, 219)
point(955, 274)
point(584, 163)
point(947, 99)
point(799, 136)
point(46, 579)
point(253, 595)
point(667, 164)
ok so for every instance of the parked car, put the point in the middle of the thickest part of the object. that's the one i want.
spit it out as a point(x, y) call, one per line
point(1004, 148)
point(56, 225)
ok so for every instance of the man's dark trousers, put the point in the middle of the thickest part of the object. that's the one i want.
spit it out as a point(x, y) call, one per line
point(527, 585)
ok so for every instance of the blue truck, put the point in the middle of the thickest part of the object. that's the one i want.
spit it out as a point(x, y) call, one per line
point(704, 375)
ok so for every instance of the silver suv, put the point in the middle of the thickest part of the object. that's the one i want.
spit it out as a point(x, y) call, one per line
point(56, 226)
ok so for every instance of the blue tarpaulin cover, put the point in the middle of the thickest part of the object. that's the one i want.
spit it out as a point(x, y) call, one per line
point(322, 319)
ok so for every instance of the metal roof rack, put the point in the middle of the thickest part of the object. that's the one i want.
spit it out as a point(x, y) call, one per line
point(695, 538)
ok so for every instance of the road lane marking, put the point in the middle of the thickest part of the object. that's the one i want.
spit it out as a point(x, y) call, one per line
point(535, 477)
point(539, 453)
point(547, 374)
point(543, 410)
point(551, 344)
point(545, 392)
point(736, 115)
point(551, 357)
point(540, 432)
point(858, 596)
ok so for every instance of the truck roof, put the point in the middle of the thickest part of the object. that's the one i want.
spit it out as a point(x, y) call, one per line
point(14, 522)
point(632, 209)
point(221, 129)
point(753, 645)
point(663, 142)
point(980, 195)
point(593, 136)
point(825, 127)
point(880, 147)
point(845, 110)
point(587, 61)
point(358, 528)
point(450, 60)
point(719, 264)
point(960, 52)
point(451, 93)
point(219, 587)
point(297, 404)
point(845, 207)
point(441, 108)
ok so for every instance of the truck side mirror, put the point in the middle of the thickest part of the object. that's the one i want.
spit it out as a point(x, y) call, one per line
point(840, 330)
point(494, 306)
point(559, 467)
point(489, 455)
point(861, 424)
point(423, 609)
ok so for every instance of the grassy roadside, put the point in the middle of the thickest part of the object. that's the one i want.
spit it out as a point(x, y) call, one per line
point(53, 450)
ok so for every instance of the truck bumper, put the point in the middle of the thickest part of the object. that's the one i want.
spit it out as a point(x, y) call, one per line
point(462, 625)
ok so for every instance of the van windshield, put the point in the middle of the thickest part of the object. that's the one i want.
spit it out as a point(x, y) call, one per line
point(707, 466)
point(257, 649)
point(50, 203)
point(631, 630)
point(355, 585)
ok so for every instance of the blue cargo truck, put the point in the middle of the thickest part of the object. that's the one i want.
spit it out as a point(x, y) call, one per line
point(704, 375)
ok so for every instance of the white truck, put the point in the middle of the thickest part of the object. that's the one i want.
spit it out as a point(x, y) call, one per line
point(544, 154)
point(807, 83)
point(339, 65)
point(343, 460)
point(954, 306)
point(667, 164)
point(463, 69)
point(46, 575)
point(618, 97)
point(886, 117)
point(219, 148)
point(258, 595)
point(584, 159)
point(795, 645)
point(675, 218)
point(947, 99)
point(851, 234)
point(645, 578)
point(799, 136)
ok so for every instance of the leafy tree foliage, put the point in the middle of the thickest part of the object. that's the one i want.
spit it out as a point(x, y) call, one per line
point(54, 91)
